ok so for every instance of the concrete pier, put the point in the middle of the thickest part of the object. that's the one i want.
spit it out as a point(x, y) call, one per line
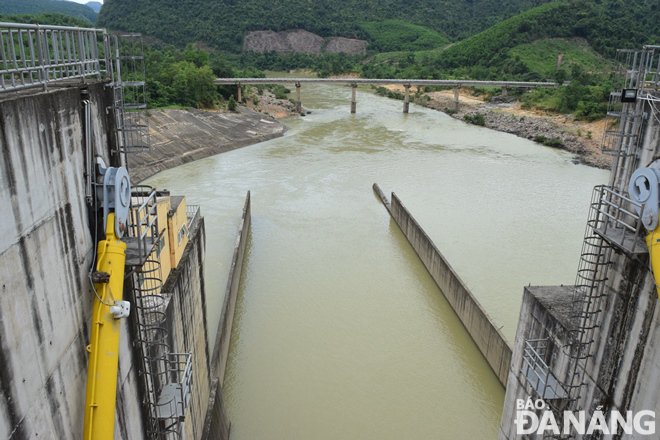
point(406, 98)
point(298, 103)
point(240, 99)
point(456, 97)
point(353, 98)
point(505, 91)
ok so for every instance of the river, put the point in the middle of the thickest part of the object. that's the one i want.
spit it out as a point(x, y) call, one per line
point(340, 333)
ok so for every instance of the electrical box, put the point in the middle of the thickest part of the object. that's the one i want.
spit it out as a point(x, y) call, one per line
point(629, 95)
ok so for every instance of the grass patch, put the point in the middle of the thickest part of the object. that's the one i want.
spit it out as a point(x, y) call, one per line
point(541, 56)
point(398, 35)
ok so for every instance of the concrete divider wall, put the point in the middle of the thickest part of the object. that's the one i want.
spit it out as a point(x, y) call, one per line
point(223, 337)
point(217, 422)
point(479, 325)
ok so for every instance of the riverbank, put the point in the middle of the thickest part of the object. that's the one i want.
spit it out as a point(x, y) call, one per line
point(266, 102)
point(505, 114)
point(181, 136)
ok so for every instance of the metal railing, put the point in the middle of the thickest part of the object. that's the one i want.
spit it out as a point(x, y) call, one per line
point(193, 214)
point(621, 223)
point(537, 372)
point(34, 55)
point(175, 395)
point(144, 219)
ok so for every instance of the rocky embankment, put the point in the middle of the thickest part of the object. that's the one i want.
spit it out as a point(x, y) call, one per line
point(505, 115)
point(182, 136)
point(267, 103)
point(301, 41)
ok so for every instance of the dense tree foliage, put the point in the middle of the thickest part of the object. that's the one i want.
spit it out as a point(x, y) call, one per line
point(223, 23)
point(185, 78)
point(13, 7)
point(46, 18)
point(397, 35)
point(490, 54)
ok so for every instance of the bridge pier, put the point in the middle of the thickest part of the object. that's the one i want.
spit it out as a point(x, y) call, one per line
point(353, 98)
point(456, 96)
point(406, 98)
point(239, 93)
point(298, 103)
point(505, 91)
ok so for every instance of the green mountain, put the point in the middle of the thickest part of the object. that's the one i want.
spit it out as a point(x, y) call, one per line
point(223, 23)
point(72, 9)
point(606, 25)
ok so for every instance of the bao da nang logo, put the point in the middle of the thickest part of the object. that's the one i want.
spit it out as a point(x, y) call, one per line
point(528, 421)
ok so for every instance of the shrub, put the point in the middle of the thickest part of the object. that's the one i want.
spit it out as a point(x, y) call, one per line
point(554, 143)
point(477, 119)
point(231, 105)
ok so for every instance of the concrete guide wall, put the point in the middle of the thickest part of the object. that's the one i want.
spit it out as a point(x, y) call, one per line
point(217, 421)
point(479, 325)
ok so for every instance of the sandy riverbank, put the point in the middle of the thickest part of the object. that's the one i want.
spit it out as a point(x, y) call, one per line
point(578, 137)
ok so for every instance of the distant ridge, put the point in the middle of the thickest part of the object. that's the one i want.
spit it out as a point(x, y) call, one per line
point(72, 9)
point(224, 24)
point(96, 6)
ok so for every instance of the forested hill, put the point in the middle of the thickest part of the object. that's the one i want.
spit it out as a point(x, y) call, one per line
point(223, 23)
point(83, 12)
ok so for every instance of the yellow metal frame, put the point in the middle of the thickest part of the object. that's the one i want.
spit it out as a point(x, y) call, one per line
point(104, 342)
point(653, 244)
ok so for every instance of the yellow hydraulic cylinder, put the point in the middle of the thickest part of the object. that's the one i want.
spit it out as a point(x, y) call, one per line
point(104, 342)
point(653, 243)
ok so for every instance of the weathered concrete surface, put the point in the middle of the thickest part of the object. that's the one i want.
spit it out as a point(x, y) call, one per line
point(186, 315)
point(543, 314)
point(481, 328)
point(46, 249)
point(182, 136)
point(217, 424)
point(350, 46)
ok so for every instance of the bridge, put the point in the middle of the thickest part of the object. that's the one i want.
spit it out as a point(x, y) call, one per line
point(406, 83)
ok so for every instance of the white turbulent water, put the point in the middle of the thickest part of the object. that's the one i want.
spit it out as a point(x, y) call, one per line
point(339, 330)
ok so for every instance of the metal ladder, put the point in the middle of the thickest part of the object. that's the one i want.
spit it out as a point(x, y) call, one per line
point(166, 376)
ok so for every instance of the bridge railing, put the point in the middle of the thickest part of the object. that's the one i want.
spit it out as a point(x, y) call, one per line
point(404, 82)
point(34, 55)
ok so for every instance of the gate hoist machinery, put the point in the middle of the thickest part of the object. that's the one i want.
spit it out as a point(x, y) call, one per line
point(644, 188)
point(109, 307)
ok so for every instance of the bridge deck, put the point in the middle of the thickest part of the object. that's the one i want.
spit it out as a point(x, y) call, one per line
point(403, 82)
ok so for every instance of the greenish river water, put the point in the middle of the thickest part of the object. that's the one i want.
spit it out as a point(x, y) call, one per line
point(340, 333)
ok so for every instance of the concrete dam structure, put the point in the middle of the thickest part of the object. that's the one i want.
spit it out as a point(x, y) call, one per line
point(104, 331)
point(591, 350)
point(64, 143)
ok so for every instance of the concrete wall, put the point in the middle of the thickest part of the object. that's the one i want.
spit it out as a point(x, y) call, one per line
point(187, 317)
point(481, 328)
point(217, 421)
point(46, 248)
point(182, 136)
point(623, 371)
point(543, 314)
point(223, 337)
